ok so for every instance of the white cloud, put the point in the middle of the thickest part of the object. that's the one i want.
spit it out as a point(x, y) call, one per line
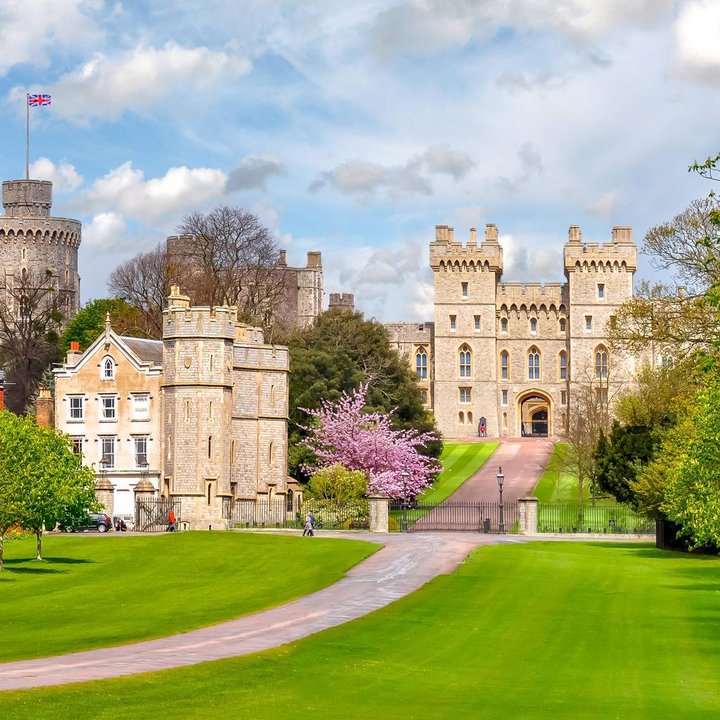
point(30, 30)
point(142, 79)
point(106, 231)
point(177, 192)
point(64, 177)
point(697, 33)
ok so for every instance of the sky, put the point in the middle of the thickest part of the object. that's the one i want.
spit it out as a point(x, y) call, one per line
point(354, 127)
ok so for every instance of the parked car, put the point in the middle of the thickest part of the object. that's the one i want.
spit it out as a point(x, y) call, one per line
point(94, 521)
point(119, 524)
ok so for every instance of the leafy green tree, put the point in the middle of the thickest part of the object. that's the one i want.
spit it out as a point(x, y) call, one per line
point(338, 483)
point(335, 355)
point(89, 323)
point(43, 480)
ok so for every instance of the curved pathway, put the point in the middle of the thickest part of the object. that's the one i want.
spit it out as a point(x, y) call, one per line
point(404, 564)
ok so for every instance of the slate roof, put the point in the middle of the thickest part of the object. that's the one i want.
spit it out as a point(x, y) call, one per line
point(150, 351)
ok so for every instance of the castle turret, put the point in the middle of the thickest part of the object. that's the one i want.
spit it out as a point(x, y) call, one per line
point(32, 242)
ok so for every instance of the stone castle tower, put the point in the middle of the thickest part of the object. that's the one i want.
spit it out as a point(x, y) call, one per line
point(508, 356)
point(224, 411)
point(36, 247)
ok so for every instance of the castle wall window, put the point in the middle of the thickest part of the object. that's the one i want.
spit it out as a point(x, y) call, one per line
point(533, 364)
point(465, 395)
point(424, 396)
point(505, 365)
point(602, 395)
point(141, 452)
point(140, 407)
point(76, 408)
point(470, 418)
point(421, 364)
point(563, 397)
point(464, 289)
point(453, 323)
point(465, 358)
point(588, 323)
point(107, 453)
point(271, 453)
point(461, 417)
point(477, 323)
point(533, 326)
point(108, 369)
point(108, 407)
point(563, 325)
point(601, 363)
point(503, 326)
point(210, 444)
point(601, 291)
point(504, 397)
point(563, 365)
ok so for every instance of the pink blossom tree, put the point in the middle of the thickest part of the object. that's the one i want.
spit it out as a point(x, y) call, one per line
point(344, 434)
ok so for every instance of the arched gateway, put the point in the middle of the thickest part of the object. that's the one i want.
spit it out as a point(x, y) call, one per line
point(534, 413)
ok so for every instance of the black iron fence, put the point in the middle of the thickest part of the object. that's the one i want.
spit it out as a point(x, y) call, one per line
point(328, 514)
point(598, 518)
point(155, 515)
point(454, 516)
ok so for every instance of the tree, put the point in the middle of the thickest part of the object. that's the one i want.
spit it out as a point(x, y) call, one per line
point(347, 435)
point(335, 482)
point(334, 356)
point(231, 258)
point(89, 323)
point(46, 482)
point(144, 282)
point(30, 320)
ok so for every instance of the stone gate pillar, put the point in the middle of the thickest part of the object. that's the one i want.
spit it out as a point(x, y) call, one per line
point(528, 515)
point(105, 494)
point(379, 513)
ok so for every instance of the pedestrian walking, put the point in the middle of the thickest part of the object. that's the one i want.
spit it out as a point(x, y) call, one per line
point(308, 527)
point(171, 521)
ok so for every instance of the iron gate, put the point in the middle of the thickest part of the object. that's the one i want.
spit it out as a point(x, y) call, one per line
point(484, 517)
point(154, 515)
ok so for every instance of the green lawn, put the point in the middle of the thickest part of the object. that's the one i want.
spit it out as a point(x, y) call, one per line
point(460, 461)
point(98, 590)
point(556, 484)
point(524, 631)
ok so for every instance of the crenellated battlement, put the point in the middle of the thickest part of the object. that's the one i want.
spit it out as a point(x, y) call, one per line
point(619, 255)
point(27, 198)
point(446, 254)
point(52, 231)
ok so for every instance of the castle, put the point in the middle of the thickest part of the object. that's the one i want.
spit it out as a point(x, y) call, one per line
point(507, 359)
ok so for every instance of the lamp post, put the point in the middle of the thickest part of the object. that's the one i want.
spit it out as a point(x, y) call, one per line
point(404, 523)
point(501, 482)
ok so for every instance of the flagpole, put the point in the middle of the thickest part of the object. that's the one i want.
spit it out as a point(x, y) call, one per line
point(27, 136)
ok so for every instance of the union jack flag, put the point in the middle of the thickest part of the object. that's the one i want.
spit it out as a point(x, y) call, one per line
point(38, 100)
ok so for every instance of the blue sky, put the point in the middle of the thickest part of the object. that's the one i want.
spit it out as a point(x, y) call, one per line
point(355, 127)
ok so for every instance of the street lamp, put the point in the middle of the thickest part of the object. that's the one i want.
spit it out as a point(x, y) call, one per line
point(404, 524)
point(501, 482)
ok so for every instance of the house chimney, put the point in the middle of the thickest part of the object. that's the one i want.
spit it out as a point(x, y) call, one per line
point(45, 409)
point(74, 353)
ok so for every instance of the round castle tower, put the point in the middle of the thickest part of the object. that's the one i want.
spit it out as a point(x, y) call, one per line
point(33, 244)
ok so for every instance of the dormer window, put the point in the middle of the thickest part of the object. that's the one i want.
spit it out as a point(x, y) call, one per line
point(108, 369)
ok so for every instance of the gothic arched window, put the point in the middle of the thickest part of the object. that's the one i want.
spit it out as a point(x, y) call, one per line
point(601, 363)
point(534, 364)
point(504, 365)
point(465, 357)
point(421, 364)
point(108, 369)
point(562, 361)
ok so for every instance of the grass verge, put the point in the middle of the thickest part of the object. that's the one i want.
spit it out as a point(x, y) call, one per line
point(557, 484)
point(537, 631)
point(100, 590)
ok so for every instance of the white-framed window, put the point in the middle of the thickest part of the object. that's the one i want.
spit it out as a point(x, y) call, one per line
point(108, 407)
point(504, 397)
point(75, 407)
point(533, 364)
point(601, 291)
point(477, 323)
point(107, 369)
point(504, 365)
point(141, 407)
point(107, 453)
point(140, 443)
point(503, 326)
point(421, 364)
point(588, 323)
point(78, 442)
point(562, 361)
point(465, 358)
point(533, 326)
point(453, 323)
point(464, 289)
point(465, 395)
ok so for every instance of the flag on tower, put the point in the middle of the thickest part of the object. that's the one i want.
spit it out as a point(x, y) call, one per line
point(38, 100)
